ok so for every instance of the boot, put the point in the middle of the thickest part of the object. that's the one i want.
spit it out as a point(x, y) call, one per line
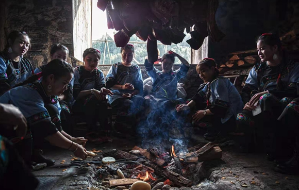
point(292, 165)
point(39, 158)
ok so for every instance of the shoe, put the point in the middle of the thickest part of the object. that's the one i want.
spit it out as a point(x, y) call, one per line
point(39, 158)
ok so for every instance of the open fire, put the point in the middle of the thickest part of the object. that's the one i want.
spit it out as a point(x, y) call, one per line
point(148, 176)
point(173, 152)
point(155, 166)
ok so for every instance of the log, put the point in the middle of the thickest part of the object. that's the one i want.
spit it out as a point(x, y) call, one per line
point(234, 58)
point(201, 151)
point(119, 182)
point(176, 178)
point(240, 63)
point(230, 64)
point(195, 148)
point(178, 165)
point(213, 154)
point(148, 155)
point(119, 154)
point(250, 59)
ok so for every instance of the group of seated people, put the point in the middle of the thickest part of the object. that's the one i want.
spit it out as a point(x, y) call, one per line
point(264, 113)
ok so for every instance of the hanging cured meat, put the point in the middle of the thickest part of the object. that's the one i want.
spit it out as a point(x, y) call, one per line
point(163, 20)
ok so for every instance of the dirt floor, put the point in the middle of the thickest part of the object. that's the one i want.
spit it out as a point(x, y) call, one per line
point(234, 171)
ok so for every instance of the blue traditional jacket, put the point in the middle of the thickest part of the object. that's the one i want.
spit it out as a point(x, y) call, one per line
point(221, 94)
point(119, 74)
point(165, 84)
point(10, 74)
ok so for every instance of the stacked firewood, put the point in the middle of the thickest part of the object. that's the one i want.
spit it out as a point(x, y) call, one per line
point(163, 20)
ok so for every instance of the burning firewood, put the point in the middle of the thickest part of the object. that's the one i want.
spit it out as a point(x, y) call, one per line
point(119, 182)
point(176, 178)
point(158, 186)
point(212, 154)
point(151, 157)
point(119, 154)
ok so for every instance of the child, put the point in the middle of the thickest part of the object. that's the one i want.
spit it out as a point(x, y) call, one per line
point(165, 81)
point(125, 80)
point(90, 93)
point(217, 101)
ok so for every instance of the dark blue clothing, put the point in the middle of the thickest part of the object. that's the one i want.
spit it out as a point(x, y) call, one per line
point(165, 84)
point(12, 73)
point(119, 74)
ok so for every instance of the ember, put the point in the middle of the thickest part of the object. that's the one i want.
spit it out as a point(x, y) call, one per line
point(147, 176)
point(167, 182)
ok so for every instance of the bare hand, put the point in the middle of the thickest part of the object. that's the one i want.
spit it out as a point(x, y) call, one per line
point(182, 107)
point(128, 86)
point(81, 152)
point(249, 107)
point(98, 95)
point(13, 117)
point(80, 140)
point(198, 115)
point(127, 95)
point(106, 91)
point(256, 97)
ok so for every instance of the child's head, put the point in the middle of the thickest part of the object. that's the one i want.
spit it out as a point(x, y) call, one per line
point(59, 51)
point(167, 62)
point(127, 54)
point(18, 43)
point(207, 69)
point(91, 57)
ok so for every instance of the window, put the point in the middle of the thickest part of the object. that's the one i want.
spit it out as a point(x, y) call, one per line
point(102, 39)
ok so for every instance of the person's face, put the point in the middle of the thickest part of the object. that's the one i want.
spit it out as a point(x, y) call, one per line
point(166, 64)
point(21, 45)
point(91, 61)
point(60, 54)
point(59, 85)
point(266, 52)
point(127, 56)
point(206, 73)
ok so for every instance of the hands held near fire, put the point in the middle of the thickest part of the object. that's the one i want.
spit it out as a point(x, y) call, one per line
point(13, 117)
point(101, 95)
point(70, 143)
point(185, 107)
point(127, 86)
point(251, 105)
point(80, 140)
point(198, 115)
point(79, 151)
point(182, 107)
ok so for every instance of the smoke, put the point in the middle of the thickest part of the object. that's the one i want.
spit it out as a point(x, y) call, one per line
point(161, 126)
